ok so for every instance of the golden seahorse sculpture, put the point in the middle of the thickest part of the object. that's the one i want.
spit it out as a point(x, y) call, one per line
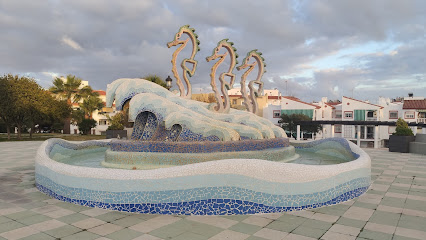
point(223, 105)
point(250, 101)
point(186, 71)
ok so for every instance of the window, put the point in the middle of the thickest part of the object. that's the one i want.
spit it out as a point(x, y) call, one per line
point(338, 114)
point(277, 113)
point(409, 115)
point(393, 114)
point(234, 101)
point(349, 114)
point(370, 114)
point(338, 128)
point(102, 122)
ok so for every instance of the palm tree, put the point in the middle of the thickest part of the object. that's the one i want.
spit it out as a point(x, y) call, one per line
point(91, 103)
point(156, 79)
point(70, 90)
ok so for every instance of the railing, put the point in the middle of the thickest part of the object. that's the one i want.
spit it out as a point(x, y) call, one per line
point(371, 119)
point(421, 120)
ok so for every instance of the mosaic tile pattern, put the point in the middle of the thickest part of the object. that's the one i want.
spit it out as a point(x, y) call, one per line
point(223, 198)
point(198, 147)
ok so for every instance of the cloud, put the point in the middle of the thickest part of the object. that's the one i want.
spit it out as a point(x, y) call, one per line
point(68, 41)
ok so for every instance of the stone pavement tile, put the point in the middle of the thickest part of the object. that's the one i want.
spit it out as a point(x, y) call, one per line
point(410, 233)
point(37, 218)
point(309, 232)
point(9, 226)
point(190, 235)
point(384, 208)
point(270, 234)
point(370, 198)
point(6, 211)
point(103, 238)
point(72, 207)
point(364, 205)
point(415, 205)
point(19, 233)
point(63, 231)
point(154, 223)
point(213, 220)
point(325, 217)
point(147, 237)
point(169, 231)
point(127, 221)
point(293, 236)
point(393, 202)
point(353, 231)
point(204, 229)
point(75, 217)
point(255, 238)
point(58, 213)
point(358, 213)
point(271, 215)
point(316, 224)
point(258, 221)
point(379, 187)
point(351, 222)
point(385, 218)
point(111, 216)
point(81, 235)
point(4, 219)
point(20, 215)
point(93, 212)
point(105, 229)
point(245, 228)
point(292, 219)
point(380, 228)
point(238, 218)
point(283, 226)
point(38, 236)
point(303, 213)
point(47, 225)
point(228, 234)
point(124, 234)
point(412, 222)
point(46, 209)
point(374, 235)
point(88, 223)
point(416, 213)
point(396, 237)
point(337, 236)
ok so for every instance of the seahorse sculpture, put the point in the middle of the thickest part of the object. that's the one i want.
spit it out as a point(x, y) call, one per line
point(223, 106)
point(186, 71)
point(251, 103)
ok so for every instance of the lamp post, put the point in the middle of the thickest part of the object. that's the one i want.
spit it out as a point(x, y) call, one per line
point(168, 82)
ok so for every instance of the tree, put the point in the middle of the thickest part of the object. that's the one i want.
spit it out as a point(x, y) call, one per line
point(289, 123)
point(116, 121)
point(90, 104)
point(86, 125)
point(156, 79)
point(7, 109)
point(402, 128)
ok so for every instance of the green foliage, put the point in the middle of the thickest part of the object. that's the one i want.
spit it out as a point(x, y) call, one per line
point(156, 79)
point(90, 104)
point(116, 121)
point(86, 125)
point(402, 128)
point(288, 123)
point(68, 88)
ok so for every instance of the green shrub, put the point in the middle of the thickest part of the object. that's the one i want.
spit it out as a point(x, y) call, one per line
point(402, 128)
point(85, 125)
point(116, 121)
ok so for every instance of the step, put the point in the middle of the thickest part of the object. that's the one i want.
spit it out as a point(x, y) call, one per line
point(418, 147)
point(421, 137)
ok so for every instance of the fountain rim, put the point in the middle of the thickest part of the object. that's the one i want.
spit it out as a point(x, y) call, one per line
point(254, 168)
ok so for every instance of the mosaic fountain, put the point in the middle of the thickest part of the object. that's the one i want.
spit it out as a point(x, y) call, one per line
point(189, 157)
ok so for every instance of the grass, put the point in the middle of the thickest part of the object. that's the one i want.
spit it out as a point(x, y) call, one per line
point(45, 136)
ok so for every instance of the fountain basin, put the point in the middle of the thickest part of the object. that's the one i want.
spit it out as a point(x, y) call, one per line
point(221, 187)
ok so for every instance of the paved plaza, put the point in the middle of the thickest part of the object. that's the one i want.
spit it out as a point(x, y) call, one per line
point(393, 208)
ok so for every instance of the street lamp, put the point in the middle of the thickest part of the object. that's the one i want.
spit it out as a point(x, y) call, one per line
point(168, 82)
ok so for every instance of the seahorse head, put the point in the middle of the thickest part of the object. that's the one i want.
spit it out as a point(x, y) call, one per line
point(185, 29)
point(257, 56)
point(223, 43)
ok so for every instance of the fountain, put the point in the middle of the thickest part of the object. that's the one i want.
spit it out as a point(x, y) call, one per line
point(189, 157)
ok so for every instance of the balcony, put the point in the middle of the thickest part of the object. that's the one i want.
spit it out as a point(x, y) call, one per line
point(421, 120)
point(371, 119)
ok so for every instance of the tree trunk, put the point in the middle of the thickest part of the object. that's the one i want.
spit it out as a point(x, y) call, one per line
point(19, 131)
point(8, 132)
point(31, 132)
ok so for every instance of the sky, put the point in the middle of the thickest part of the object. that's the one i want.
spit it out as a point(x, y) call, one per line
point(312, 49)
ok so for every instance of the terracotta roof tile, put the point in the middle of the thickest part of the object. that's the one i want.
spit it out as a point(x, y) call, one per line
point(414, 104)
point(297, 100)
point(363, 102)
